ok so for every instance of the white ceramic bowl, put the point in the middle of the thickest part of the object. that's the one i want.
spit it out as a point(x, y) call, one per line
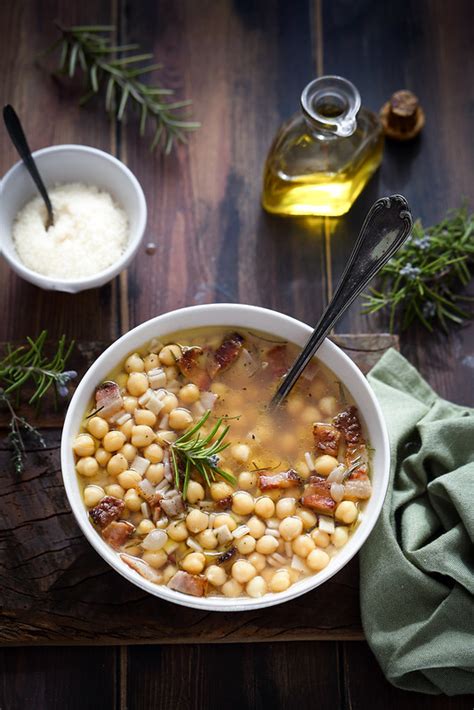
point(234, 316)
point(72, 163)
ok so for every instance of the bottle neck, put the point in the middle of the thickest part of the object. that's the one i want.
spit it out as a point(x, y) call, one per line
point(330, 105)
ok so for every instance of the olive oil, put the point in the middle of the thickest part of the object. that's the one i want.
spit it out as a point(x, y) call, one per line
point(322, 158)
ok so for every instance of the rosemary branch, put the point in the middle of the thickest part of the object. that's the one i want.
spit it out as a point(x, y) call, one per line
point(119, 72)
point(191, 451)
point(422, 282)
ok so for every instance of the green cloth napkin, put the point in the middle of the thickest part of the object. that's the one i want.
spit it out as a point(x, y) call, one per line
point(417, 569)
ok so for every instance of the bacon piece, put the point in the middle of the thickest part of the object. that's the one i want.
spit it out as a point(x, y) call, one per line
point(358, 489)
point(194, 584)
point(108, 399)
point(143, 568)
point(347, 422)
point(317, 496)
point(277, 360)
point(326, 439)
point(192, 366)
point(172, 506)
point(224, 503)
point(285, 479)
point(226, 354)
point(116, 533)
point(226, 556)
point(108, 509)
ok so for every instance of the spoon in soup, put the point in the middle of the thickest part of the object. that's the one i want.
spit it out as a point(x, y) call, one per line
point(385, 229)
point(17, 135)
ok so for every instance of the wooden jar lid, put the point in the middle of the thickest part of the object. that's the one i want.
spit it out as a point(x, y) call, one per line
point(402, 117)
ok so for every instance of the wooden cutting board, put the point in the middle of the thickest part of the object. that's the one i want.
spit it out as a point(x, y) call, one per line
point(55, 589)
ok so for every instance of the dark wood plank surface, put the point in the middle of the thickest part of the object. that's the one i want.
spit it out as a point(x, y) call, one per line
point(244, 63)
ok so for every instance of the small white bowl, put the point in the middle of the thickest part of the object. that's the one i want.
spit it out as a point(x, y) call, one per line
point(65, 164)
point(244, 317)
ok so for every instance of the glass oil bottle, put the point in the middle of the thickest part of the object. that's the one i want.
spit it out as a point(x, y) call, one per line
point(322, 157)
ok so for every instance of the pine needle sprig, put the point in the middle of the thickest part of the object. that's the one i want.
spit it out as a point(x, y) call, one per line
point(116, 71)
point(422, 282)
point(192, 451)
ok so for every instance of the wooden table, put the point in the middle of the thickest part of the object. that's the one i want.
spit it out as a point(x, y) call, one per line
point(244, 63)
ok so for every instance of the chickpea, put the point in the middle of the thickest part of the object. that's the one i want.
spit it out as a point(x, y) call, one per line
point(103, 457)
point(194, 563)
point(170, 354)
point(117, 464)
point(144, 416)
point(302, 469)
point(130, 404)
point(307, 518)
point(285, 507)
point(151, 362)
point(257, 587)
point(258, 561)
point(189, 394)
point(280, 581)
point(87, 466)
point(317, 560)
point(129, 451)
point(98, 427)
point(132, 500)
point(290, 528)
point(168, 572)
point(154, 453)
point(127, 428)
point(320, 538)
point(129, 479)
point(220, 490)
point(242, 571)
point(84, 445)
point(328, 406)
point(169, 402)
point(145, 527)
point(274, 494)
point(164, 438)
point(155, 473)
point(219, 388)
point(180, 418)
point(346, 512)
point(197, 521)
point(93, 495)
point(113, 441)
point(195, 492)
point(155, 559)
point(340, 536)
point(267, 545)
point(248, 480)
point(177, 531)
point(115, 490)
point(207, 539)
point(215, 575)
point(137, 383)
point(242, 503)
point(134, 363)
point(240, 452)
point(294, 405)
point(256, 527)
point(246, 544)
point(142, 436)
point(232, 588)
point(225, 519)
point(310, 414)
point(264, 507)
point(325, 464)
point(302, 545)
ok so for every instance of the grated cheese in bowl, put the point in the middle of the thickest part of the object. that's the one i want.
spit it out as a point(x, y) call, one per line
point(90, 232)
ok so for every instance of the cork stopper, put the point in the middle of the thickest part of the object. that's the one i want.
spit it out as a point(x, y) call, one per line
point(402, 117)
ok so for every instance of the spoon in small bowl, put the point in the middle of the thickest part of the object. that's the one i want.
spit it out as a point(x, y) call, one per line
point(385, 229)
point(17, 135)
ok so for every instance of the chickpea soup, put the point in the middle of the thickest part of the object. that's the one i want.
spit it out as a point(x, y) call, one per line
point(198, 486)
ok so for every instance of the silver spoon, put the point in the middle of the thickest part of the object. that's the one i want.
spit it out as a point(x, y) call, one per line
point(14, 128)
point(386, 227)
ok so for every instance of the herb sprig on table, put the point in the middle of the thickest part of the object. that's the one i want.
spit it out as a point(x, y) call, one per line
point(192, 450)
point(28, 366)
point(118, 72)
point(422, 282)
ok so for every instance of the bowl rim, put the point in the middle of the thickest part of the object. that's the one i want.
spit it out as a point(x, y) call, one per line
point(101, 277)
point(71, 427)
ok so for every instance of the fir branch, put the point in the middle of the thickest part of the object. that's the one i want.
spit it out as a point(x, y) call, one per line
point(112, 70)
point(422, 282)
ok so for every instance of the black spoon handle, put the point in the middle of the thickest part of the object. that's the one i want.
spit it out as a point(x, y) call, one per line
point(387, 225)
point(14, 128)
